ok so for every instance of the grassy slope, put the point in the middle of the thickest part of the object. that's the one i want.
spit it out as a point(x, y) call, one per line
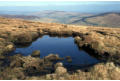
point(110, 19)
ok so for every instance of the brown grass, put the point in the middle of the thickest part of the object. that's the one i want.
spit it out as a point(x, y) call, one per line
point(102, 41)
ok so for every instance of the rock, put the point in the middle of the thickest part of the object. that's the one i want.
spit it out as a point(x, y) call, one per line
point(35, 53)
point(60, 70)
point(69, 59)
point(59, 64)
point(52, 57)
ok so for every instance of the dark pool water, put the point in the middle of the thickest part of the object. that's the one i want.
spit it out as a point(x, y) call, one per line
point(56, 45)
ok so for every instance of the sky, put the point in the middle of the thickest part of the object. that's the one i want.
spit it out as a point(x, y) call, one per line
point(74, 6)
point(40, 3)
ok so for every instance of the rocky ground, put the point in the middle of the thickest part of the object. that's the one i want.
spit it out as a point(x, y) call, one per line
point(102, 43)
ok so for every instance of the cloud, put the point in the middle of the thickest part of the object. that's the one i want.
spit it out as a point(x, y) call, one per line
point(43, 3)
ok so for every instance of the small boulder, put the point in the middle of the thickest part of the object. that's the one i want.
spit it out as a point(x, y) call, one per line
point(35, 53)
point(52, 57)
point(60, 70)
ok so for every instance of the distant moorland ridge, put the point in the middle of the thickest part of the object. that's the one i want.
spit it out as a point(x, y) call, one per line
point(110, 19)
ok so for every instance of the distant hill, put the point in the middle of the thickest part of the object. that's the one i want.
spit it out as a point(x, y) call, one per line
point(51, 16)
point(20, 16)
point(105, 19)
point(59, 16)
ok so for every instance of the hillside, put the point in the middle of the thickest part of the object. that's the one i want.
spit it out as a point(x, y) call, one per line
point(60, 16)
point(26, 17)
point(108, 19)
point(51, 16)
point(100, 42)
point(75, 18)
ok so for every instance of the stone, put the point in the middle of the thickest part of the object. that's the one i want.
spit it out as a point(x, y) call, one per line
point(52, 57)
point(60, 70)
point(35, 53)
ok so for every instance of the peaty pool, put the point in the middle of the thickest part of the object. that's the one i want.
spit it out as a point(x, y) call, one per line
point(61, 46)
